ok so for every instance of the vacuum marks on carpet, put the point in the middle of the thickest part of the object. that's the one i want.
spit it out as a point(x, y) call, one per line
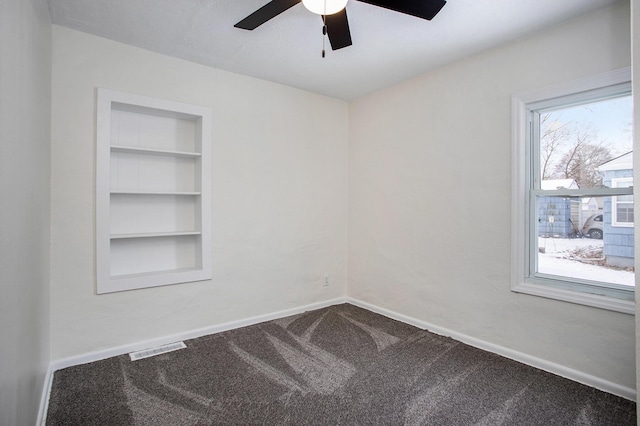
point(337, 365)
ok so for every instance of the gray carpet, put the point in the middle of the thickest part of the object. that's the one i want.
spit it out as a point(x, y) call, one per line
point(340, 365)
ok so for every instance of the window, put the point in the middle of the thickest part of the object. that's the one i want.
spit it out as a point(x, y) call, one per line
point(622, 205)
point(572, 216)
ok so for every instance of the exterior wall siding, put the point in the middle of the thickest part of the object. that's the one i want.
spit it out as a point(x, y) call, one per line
point(564, 223)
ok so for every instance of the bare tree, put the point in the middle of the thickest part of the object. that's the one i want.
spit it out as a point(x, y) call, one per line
point(569, 150)
point(582, 158)
point(554, 134)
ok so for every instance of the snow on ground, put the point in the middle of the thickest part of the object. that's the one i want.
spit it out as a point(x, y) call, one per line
point(555, 260)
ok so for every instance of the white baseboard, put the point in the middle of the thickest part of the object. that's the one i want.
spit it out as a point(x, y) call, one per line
point(551, 367)
point(191, 334)
point(44, 397)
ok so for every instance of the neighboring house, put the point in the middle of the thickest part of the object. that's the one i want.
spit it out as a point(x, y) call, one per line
point(559, 217)
point(618, 212)
point(591, 205)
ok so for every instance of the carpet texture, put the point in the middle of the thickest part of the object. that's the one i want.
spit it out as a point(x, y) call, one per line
point(340, 365)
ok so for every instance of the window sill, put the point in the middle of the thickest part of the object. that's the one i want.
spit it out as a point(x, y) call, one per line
point(596, 301)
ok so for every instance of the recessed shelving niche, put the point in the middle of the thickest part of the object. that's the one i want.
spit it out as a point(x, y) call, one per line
point(153, 185)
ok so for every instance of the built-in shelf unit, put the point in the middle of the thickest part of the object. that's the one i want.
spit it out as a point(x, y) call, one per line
point(153, 192)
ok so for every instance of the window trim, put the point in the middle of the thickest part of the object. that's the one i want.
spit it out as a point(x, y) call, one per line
point(621, 300)
point(614, 204)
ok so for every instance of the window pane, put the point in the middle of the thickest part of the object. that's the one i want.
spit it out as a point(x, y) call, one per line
point(586, 146)
point(621, 205)
point(577, 240)
point(579, 144)
point(624, 213)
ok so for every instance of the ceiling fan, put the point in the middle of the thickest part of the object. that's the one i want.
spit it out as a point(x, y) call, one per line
point(334, 14)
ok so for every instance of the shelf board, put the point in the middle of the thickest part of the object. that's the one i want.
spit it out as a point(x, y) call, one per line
point(153, 234)
point(155, 273)
point(154, 193)
point(150, 151)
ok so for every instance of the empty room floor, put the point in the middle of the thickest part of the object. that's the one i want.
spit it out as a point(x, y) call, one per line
point(336, 365)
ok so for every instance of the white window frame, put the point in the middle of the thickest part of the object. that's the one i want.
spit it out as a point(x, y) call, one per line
point(615, 183)
point(523, 256)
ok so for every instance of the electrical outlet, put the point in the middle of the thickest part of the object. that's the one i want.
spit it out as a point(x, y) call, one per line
point(326, 281)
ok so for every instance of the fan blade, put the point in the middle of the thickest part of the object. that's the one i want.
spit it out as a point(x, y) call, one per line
point(425, 9)
point(266, 12)
point(338, 29)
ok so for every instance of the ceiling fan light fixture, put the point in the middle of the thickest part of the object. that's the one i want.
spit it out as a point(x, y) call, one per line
point(325, 7)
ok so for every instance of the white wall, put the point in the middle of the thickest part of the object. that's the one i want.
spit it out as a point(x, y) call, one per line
point(25, 106)
point(430, 199)
point(279, 197)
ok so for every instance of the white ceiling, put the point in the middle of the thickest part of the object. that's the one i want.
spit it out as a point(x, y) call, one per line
point(388, 47)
